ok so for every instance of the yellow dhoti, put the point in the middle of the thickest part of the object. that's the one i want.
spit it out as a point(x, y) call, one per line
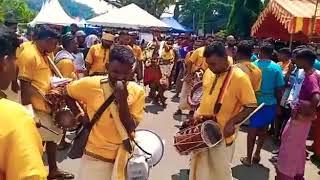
point(213, 163)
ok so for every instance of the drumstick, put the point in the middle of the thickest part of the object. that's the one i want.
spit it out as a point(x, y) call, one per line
point(54, 68)
point(251, 114)
point(46, 128)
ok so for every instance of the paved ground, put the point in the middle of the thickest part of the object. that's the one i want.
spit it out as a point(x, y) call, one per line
point(161, 122)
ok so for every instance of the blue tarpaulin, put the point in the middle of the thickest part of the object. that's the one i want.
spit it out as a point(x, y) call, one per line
point(175, 25)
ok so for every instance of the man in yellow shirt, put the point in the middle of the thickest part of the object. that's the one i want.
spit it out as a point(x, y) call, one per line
point(35, 75)
point(97, 58)
point(243, 62)
point(237, 103)
point(129, 40)
point(20, 143)
point(103, 158)
point(64, 59)
point(197, 59)
point(188, 81)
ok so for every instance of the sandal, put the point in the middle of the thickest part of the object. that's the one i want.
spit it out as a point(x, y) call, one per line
point(61, 175)
point(256, 159)
point(244, 161)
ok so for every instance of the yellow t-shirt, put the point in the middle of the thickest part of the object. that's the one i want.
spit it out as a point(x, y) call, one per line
point(168, 55)
point(67, 69)
point(89, 91)
point(34, 67)
point(253, 72)
point(98, 58)
point(239, 93)
point(197, 60)
point(22, 47)
point(137, 51)
point(20, 144)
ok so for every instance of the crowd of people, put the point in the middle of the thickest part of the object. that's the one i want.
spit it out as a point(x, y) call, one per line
point(236, 77)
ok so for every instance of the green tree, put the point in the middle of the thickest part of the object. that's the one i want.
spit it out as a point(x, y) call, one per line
point(19, 8)
point(243, 15)
point(209, 15)
point(71, 7)
point(154, 7)
point(75, 9)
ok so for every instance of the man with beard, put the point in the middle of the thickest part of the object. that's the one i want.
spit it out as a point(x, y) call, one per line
point(98, 56)
point(225, 102)
point(107, 149)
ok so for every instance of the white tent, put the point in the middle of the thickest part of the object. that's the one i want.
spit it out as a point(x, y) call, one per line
point(52, 13)
point(129, 17)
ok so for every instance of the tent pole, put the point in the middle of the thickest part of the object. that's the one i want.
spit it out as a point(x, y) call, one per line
point(314, 18)
point(290, 43)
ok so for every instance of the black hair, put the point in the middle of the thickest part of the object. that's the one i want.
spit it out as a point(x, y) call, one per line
point(245, 47)
point(123, 33)
point(67, 39)
point(306, 54)
point(44, 32)
point(285, 51)
point(169, 38)
point(209, 37)
point(8, 42)
point(122, 54)
point(74, 24)
point(215, 48)
point(267, 49)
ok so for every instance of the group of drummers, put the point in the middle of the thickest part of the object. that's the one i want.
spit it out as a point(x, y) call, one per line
point(219, 85)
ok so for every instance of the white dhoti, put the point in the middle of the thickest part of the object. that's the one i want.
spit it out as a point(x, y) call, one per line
point(46, 120)
point(185, 93)
point(91, 168)
point(213, 163)
point(166, 69)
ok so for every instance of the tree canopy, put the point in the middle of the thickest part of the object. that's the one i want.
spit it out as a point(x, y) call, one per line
point(18, 8)
point(243, 15)
point(72, 8)
point(209, 15)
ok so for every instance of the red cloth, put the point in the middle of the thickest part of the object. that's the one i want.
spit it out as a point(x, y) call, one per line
point(152, 74)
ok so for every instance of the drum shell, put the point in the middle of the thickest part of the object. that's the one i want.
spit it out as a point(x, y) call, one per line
point(195, 138)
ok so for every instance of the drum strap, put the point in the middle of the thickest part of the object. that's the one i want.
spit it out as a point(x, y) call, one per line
point(223, 91)
point(3, 95)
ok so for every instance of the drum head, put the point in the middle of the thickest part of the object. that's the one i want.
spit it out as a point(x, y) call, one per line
point(196, 95)
point(211, 133)
point(151, 143)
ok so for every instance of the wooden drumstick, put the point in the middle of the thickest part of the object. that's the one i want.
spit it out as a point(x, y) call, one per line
point(46, 128)
point(251, 114)
point(54, 68)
